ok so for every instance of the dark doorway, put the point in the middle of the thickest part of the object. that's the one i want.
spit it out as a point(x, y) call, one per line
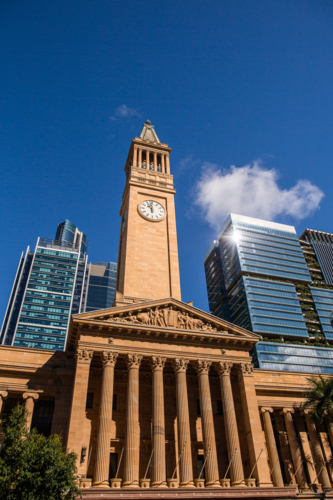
point(200, 462)
point(113, 465)
point(42, 417)
point(9, 405)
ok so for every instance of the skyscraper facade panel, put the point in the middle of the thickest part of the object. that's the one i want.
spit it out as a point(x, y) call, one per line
point(53, 274)
point(274, 308)
point(322, 243)
point(293, 358)
point(47, 290)
point(261, 250)
point(15, 299)
point(324, 254)
point(101, 286)
point(261, 277)
point(323, 300)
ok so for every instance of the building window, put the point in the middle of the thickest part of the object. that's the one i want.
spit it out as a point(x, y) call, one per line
point(114, 402)
point(90, 401)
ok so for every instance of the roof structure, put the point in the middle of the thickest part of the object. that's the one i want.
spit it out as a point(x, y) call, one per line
point(163, 317)
point(148, 132)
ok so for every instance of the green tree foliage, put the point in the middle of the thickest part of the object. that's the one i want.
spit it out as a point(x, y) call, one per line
point(320, 398)
point(32, 466)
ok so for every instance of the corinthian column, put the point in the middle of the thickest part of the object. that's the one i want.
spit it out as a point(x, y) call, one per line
point(132, 446)
point(183, 420)
point(317, 452)
point(234, 453)
point(272, 449)
point(159, 472)
point(76, 437)
point(30, 398)
point(211, 467)
point(255, 437)
point(295, 448)
point(102, 465)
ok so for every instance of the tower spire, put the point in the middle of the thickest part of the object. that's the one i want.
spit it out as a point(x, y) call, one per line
point(148, 132)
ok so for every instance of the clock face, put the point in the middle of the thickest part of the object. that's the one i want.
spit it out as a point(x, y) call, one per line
point(152, 210)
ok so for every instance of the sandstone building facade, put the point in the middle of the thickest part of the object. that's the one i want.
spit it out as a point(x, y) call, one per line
point(160, 399)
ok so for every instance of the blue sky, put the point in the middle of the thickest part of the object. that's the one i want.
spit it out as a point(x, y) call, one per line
point(239, 83)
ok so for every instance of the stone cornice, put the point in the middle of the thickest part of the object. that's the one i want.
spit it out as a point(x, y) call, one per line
point(160, 335)
point(123, 350)
point(279, 388)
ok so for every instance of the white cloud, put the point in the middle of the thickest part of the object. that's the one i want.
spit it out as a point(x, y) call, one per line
point(187, 163)
point(124, 112)
point(253, 191)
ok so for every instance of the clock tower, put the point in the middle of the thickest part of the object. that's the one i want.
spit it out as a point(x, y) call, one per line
point(148, 266)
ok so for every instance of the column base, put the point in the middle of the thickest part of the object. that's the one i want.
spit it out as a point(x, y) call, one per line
point(131, 484)
point(187, 484)
point(250, 483)
point(225, 483)
point(144, 483)
point(115, 483)
point(101, 484)
point(173, 483)
point(238, 484)
point(266, 485)
point(199, 483)
point(213, 484)
point(159, 484)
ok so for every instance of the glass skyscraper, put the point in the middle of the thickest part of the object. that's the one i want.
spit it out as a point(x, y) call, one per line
point(47, 290)
point(100, 288)
point(259, 276)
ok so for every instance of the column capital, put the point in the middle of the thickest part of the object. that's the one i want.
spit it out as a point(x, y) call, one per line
point(3, 395)
point(134, 360)
point(287, 410)
point(202, 366)
point(109, 358)
point(265, 408)
point(180, 364)
point(157, 363)
point(223, 368)
point(245, 369)
point(33, 395)
point(84, 355)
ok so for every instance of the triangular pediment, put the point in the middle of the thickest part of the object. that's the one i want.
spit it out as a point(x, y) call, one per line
point(166, 313)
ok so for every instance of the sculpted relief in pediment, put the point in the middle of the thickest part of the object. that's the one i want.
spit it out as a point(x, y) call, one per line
point(165, 317)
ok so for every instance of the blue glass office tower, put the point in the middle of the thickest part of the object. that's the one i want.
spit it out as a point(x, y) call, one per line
point(67, 232)
point(259, 277)
point(99, 292)
point(47, 290)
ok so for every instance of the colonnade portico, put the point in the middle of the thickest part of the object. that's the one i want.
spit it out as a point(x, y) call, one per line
point(131, 477)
